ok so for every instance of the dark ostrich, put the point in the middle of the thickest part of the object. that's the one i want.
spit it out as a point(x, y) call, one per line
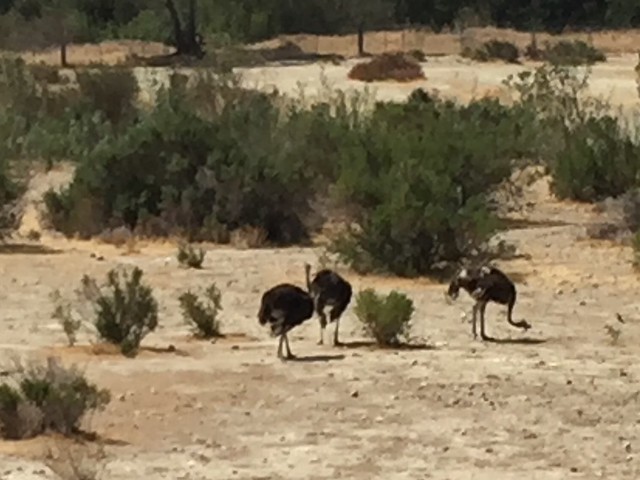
point(486, 284)
point(328, 289)
point(284, 307)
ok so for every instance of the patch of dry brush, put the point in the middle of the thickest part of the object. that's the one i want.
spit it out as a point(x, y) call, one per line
point(396, 67)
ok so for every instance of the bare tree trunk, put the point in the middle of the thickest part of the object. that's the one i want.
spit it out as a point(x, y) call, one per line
point(177, 25)
point(187, 41)
point(63, 54)
point(360, 38)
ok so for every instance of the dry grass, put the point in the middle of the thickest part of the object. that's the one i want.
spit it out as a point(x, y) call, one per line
point(444, 43)
point(449, 43)
point(396, 67)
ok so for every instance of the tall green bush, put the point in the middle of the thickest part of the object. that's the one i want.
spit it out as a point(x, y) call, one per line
point(193, 172)
point(419, 183)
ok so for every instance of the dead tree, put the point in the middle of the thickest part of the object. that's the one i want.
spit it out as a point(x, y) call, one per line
point(186, 38)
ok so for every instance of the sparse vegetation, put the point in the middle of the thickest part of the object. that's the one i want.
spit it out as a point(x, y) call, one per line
point(386, 318)
point(613, 333)
point(48, 397)
point(63, 312)
point(572, 53)
point(190, 256)
point(202, 315)
point(396, 67)
point(635, 244)
point(125, 308)
point(493, 50)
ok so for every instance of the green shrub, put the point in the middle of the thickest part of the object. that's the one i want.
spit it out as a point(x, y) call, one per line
point(47, 397)
point(10, 191)
point(386, 318)
point(572, 53)
point(63, 313)
point(598, 160)
point(635, 244)
point(190, 256)
point(418, 184)
point(493, 50)
point(202, 316)
point(110, 91)
point(125, 309)
point(192, 172)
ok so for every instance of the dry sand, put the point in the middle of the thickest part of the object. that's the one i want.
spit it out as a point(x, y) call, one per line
point(558, 402)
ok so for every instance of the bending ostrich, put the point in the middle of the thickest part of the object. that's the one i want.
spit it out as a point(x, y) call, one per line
point(328, 289)
point(486, 284)
point(284, 307)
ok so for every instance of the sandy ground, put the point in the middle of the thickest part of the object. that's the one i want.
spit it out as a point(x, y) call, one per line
point(559, 402)
point(451, 76)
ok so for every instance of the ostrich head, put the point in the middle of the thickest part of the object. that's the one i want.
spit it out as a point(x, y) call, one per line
point(456, 283)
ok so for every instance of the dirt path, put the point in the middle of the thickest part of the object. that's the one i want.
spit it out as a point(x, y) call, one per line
point(559, 402)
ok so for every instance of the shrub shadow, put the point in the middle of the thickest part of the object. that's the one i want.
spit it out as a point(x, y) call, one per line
point(27, 249)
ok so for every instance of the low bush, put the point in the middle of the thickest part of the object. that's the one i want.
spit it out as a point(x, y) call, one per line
point(388, 66)
point(190, 256)
point(572, 53)
point(63, 312)
point(10, 191)
point(493, 50)
point(125, 308)
point(202, 315)
point(386, 318)
point(47, 397)
point(635, 244)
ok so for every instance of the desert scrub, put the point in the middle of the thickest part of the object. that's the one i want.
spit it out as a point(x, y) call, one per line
point(125, 308)
point(386, 318)
point(190, 256)
point(388, 66)
point(635, 244)
point(63, 312)
point(572, 53)
point(202, 315)
point(47, 397)
point(493, 50)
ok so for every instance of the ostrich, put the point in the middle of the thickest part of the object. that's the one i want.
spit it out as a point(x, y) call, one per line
point(284, 307)
point(328, 289)
point(486, 284)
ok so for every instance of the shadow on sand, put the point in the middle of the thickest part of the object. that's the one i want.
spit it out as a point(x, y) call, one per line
point(26, 249)
point(316, 358)
point(516, 341)
point(369, 344)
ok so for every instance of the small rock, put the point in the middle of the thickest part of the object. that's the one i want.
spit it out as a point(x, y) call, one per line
point(122, 397)
point(153, 391)
point(414, 363)
point(627, 447)
point(235, 347)
point(583, 303)
point(171, 348)
point(488, 450)
point(355, 394)
point(573, 469)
